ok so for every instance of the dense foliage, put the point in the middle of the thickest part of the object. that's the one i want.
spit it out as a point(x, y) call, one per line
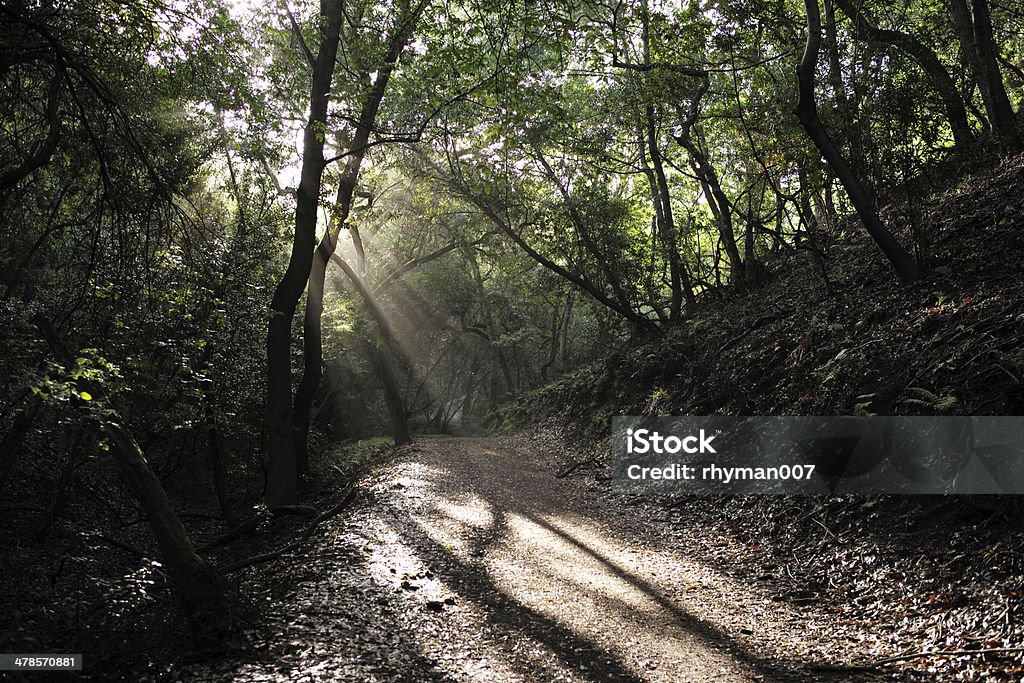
point(235, 233)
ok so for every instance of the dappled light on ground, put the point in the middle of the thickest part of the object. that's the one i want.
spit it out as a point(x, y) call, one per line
point(635, 608)
point(455, 524)
point(464, 561)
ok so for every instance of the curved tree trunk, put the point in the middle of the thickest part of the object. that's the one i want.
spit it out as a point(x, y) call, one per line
point(860, 194)
point(925, 57)
point(203, 594)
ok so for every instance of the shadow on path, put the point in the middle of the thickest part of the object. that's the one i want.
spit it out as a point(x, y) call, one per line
point(520, 536)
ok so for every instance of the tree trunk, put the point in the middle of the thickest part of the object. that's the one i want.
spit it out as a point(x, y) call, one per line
point(925, 57)
point(499, 367)
point(312, 348)
point(472, 380)
point(678, 277)
point(564, 337)
point(973, 25)
point(203, 594)
point(811, 224)
point(201, 591)
point(312, 371)
point(752, 268)
point(860, 194)
point(552, 347)
point(721, 207)
point(1004, 122)
point(220, 474)
point(282, 470)
point(392, 393)
point(846, 104)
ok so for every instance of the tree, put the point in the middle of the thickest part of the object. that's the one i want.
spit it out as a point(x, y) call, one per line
point(372, 76)
point(282, 467)
point(111, 272)
point(956, 110)
point(974, 27)
point(860, 194)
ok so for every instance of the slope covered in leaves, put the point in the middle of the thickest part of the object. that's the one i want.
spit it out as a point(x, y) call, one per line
point(948, 344)
point(916, 573)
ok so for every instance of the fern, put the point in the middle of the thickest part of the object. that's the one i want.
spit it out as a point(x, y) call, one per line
point(923, 398)
point(865, 405)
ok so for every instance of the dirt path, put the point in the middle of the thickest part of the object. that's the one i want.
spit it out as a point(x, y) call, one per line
point(468, 561)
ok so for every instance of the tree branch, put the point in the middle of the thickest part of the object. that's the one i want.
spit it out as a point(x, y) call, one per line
point(49, 144)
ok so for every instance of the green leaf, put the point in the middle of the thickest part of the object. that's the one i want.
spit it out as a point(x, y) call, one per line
point(85, 395)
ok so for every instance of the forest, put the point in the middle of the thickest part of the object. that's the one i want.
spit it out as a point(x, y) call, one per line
point(317, 316)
